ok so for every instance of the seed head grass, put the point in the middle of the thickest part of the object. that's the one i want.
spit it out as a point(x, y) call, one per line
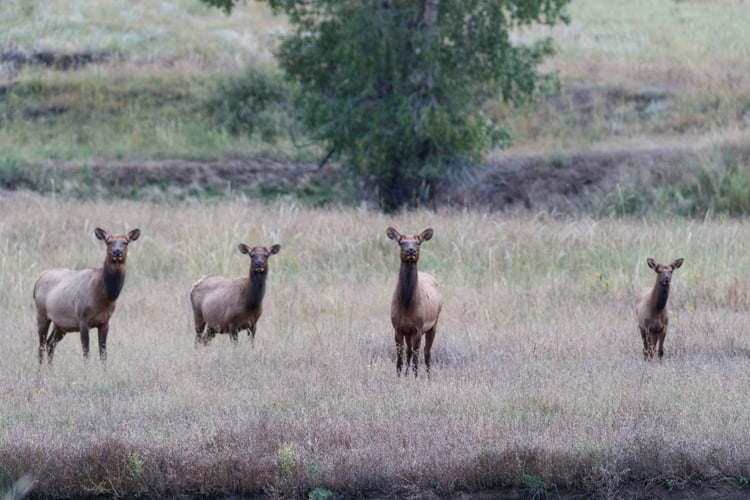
point(538, 381)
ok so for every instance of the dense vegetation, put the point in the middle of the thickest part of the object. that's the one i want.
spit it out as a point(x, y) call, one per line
point(184, 81)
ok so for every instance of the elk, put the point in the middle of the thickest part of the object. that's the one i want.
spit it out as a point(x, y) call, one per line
point(223, 305)
point(416, 302)
point(76, 301)
point(651, 308)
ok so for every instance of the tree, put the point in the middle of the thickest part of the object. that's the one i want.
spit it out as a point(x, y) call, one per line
point(395, 88)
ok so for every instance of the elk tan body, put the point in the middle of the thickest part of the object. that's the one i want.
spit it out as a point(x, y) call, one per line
point(228, 305)
point(416, 302)
point(651, 308)
point(76, 301)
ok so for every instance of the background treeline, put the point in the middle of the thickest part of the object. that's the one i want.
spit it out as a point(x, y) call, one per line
point(185, 81)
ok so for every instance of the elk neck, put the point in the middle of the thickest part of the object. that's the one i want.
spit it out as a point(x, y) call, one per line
point(256, 290)
point(407, 284)
point(659, 296)
point(113, 277)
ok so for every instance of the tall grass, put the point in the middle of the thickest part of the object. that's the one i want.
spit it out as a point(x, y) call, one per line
point(538, 382)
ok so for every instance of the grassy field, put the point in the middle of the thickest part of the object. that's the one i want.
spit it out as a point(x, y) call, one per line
point(538, 387)
point(538, 381)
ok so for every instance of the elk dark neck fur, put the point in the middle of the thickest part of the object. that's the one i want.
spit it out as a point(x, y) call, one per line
point(256, 290)
point(407, 284)
point(659, 296)
point(113, 277)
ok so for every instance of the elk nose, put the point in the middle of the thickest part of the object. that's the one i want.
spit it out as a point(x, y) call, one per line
point(411, 252)
point(117, 252)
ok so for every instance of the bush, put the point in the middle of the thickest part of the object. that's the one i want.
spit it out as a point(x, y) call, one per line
point(255, 103)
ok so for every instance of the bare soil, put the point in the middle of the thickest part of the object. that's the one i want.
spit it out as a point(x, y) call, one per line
point(567, 183)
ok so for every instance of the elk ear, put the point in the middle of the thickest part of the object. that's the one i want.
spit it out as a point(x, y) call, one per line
point(651, 263)
point(243, 248)
point(677, 263)
point(426, 235)
point(393, 234)
point(101, 234)
point(134, 234)
point(275, 249)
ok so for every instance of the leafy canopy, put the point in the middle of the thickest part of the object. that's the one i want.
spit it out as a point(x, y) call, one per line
point(395, 88)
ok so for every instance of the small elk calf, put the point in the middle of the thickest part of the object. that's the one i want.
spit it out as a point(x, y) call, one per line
point(416, 302)
point(75, 301)
point(651, 308)
point(222, 305)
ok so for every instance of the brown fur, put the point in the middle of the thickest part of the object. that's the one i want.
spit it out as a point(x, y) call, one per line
point(75, 301)
point(223, 305)
point(651, 308)
point(416, 302)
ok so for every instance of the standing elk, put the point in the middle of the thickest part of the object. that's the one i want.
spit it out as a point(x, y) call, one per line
point(76, 301)
point(222, 305)
point(651, 308)
point(416, 302)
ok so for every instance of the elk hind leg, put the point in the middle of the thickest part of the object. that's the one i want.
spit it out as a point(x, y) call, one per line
point(429, 336)
point(54, 337)
point(42, 329)
point(200, 326)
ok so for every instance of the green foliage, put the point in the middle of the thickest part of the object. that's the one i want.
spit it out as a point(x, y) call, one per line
point(722, 189)
point(395, 88)
point(287, 460)
point(253, 103)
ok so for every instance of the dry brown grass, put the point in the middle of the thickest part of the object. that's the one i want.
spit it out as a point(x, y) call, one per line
point(538, 381)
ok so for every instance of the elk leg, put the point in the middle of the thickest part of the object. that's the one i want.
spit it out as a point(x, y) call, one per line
point(85, 339)
point(200, 326)
point(429, 336)
point(54, 337)
point(645, 342)
point(42, 329)
point(415, 352)
point(399, 353)
point(409, 352)
point(102, 333)
point(661, 344)
point(233, 336)
point(251, 332)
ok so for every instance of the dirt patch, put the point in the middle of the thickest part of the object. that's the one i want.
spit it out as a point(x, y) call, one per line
point(562, 182)
point(60, 61)
point(571, 183)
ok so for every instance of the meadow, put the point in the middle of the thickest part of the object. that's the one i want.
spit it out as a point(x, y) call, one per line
point(538, 388)
point(538, 385)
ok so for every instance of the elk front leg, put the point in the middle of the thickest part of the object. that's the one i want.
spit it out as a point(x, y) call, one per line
point(644, 336)
point(399, 353)
point(84, 327)
point(660, 341)
point(417, 343)
point(102, 333)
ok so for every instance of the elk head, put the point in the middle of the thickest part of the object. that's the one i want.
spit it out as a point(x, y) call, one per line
point(259, 256)
point(117, 244)
point(664, 271)
point(409, 243)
